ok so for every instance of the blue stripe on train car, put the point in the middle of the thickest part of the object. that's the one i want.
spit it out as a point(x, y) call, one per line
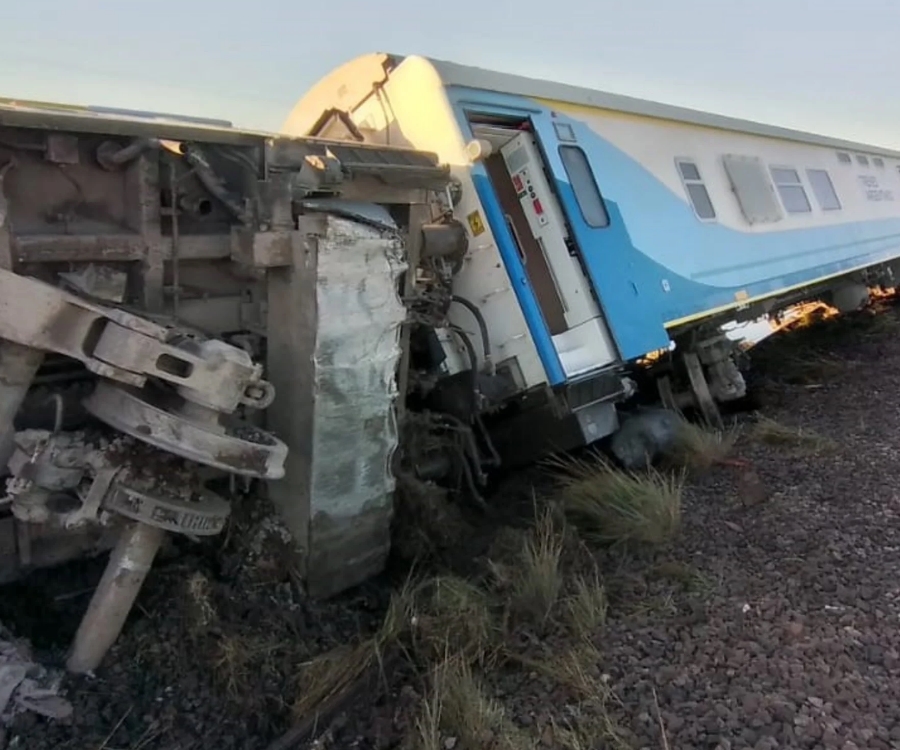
point(655, 262)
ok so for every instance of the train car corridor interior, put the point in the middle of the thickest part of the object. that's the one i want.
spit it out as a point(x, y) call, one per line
point(537, 225)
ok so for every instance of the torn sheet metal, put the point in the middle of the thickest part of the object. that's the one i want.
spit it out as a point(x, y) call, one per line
point(356, 355)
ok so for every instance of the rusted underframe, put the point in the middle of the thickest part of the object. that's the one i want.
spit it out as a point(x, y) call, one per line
point(264, 259)
point(134, 247)
point(115, 248)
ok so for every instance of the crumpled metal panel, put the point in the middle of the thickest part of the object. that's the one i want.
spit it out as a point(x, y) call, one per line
point(354, 432)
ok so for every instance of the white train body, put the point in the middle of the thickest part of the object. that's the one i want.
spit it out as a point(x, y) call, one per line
point(662, 225)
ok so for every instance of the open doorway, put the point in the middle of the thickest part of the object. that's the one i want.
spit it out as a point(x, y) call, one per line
point(537, 268)
point(539, 229)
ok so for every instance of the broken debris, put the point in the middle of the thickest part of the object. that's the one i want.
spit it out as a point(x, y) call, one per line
point(26, 685)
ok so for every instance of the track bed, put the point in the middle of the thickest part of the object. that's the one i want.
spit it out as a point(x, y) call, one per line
point(770, 622)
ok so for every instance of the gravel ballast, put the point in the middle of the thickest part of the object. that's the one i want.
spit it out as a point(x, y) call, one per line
point(773, 621)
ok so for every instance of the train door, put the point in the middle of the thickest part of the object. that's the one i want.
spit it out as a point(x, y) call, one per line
point(537, 225)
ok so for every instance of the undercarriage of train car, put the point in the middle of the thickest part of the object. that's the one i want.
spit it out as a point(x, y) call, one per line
point(704, 369)
point(147, 271)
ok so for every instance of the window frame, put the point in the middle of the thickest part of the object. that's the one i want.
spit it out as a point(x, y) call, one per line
point(679, 160)
point(593, 179)
point(840, 205)
point(799, 183)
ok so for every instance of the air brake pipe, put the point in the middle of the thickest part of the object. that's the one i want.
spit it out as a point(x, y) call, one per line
point(211, 182)
point(111, 156)
point(482, 327)
point(125, 572)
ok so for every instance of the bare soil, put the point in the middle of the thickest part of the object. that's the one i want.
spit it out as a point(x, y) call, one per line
point(771, 622)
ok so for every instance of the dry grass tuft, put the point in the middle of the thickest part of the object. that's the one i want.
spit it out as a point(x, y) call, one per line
point(587, 605)
point(610, 506)
point(585, 726)
point(702, 446)
point(331, 674)
point(774, 433)
point(459, 707)
point(533, 579)
point(401, 613)
point(455, 615)
point(230, 665)
point(237, 659)
point(578, 669)
point(589, 720)
point(427, 726)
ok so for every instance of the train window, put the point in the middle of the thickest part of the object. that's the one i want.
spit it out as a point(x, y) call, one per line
point(878, 162)
point(862, 160)
point(696, 190)
point(844, 158)
point(587, 194)
point(564, 132)
point(752, 187)
point(791, 190)
point(823, 189)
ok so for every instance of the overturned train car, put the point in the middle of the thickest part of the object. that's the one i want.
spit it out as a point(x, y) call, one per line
point(323, 311)
point(611, 239)
point(185, 307)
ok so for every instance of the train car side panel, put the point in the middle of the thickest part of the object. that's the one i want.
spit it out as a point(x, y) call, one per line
point(667, 266)
point(705, 262)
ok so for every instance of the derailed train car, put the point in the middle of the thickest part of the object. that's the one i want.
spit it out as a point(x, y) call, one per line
point(606, 231)
point(436, 270)
point(151, 269)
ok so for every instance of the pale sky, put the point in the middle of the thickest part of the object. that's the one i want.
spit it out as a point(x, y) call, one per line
point(829, 67)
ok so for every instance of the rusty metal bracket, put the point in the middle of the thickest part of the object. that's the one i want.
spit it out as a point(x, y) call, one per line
point(118, 345)
point(235, 447)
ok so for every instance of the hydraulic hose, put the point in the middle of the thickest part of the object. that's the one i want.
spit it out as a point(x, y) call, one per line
point(482, 327)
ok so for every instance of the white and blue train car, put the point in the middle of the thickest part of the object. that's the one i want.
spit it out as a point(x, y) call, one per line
point(603, 229)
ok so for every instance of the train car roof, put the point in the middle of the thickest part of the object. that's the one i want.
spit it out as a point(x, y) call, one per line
point(454, 74)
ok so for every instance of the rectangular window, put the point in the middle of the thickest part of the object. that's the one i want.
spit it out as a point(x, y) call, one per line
point(587, 194)
point(564, 132)
point(844, 158)
point(878, 162)
point(823, 189)
point(863, 161)
point(696, 190)
point(753, 188)
point(793, 196)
